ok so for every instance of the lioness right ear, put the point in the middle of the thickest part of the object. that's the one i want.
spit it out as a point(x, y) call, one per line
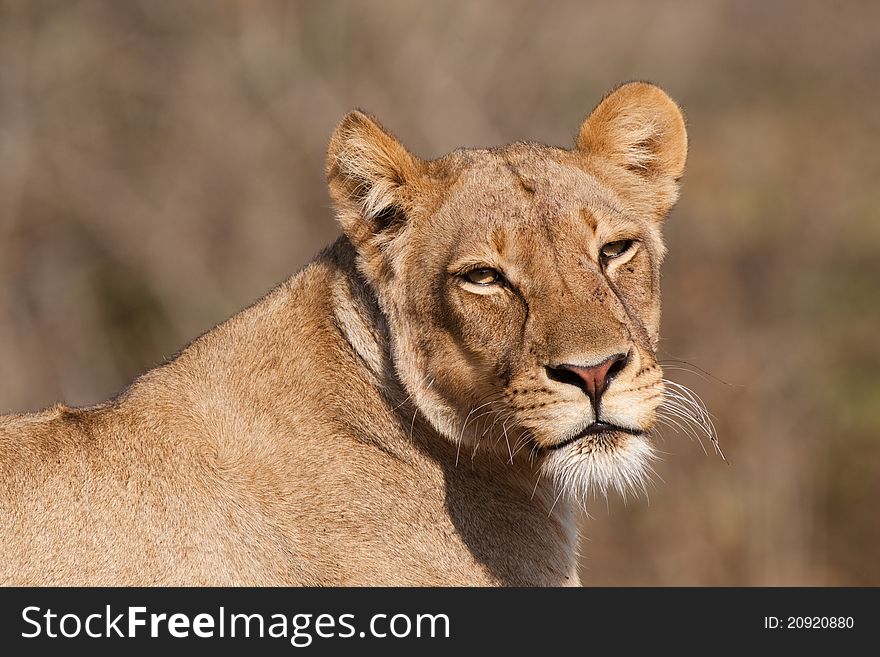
point(368, 171)
point(641, 130)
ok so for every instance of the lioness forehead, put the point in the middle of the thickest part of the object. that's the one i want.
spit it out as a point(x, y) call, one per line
point(532, 187)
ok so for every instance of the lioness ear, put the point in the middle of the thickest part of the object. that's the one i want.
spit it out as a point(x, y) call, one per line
point(367, 172)
point(639, 128)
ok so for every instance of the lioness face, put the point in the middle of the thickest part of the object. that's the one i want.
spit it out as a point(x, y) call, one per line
point(521, 284)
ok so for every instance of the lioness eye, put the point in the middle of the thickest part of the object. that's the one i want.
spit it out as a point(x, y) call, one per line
point(615, 249)
point(482, 276)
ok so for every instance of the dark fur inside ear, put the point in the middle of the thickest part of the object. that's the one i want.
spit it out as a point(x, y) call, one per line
point(642, 161)
point(390, 217)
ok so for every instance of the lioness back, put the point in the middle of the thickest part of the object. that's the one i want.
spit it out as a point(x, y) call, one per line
point(428, 402)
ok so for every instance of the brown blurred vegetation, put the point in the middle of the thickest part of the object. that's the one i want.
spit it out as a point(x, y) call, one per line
point(161, 166)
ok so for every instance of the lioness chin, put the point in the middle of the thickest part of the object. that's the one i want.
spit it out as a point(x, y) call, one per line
point(428, 402)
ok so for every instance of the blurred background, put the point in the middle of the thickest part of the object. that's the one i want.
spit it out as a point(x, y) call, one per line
point(162, 166)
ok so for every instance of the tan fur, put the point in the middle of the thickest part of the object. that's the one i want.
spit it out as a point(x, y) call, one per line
point(377, 419)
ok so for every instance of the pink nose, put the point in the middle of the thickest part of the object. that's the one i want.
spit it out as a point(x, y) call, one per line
point(593, 379)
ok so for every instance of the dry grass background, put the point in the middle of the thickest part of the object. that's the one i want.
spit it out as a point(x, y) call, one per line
point(161, 166)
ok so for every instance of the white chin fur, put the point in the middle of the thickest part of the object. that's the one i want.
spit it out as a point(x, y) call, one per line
point(583, 469)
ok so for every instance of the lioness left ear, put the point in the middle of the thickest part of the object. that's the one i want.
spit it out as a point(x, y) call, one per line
point(368, 171)
point(641, 130)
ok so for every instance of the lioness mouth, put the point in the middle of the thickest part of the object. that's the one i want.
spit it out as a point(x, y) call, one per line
point(596, 429)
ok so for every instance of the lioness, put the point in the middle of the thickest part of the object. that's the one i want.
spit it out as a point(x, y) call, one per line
point(428, 402)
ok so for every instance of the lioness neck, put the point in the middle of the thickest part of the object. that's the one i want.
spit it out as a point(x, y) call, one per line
point(361, 461)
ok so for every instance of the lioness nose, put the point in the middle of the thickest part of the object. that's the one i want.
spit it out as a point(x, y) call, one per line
point(592, 379)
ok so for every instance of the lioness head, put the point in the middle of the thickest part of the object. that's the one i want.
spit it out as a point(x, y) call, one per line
point(521, 284)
